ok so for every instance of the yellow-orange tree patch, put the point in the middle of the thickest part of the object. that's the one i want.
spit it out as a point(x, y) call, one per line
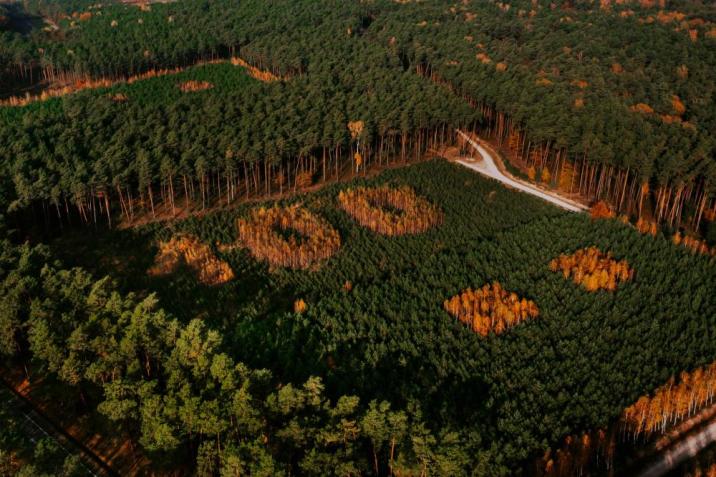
point(289, 237)
point(368, 206)
point(490, 309)
point(192, 85)
point(196, 255)
point(593, 269)
point(672, 402)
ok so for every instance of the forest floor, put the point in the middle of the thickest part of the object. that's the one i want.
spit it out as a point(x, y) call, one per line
point(107, 453)
point(491, 165)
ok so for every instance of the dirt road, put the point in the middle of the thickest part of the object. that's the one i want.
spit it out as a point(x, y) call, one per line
point(487, 166)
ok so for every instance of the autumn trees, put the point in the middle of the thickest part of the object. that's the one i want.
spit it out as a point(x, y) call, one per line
point(672, 402)
point(390, 211)
point(188, 250)
point(490, 309)
point(288, 236)
point(593, 269)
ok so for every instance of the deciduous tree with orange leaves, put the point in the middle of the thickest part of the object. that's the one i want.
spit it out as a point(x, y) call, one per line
point(490, 309)
point(198, 256)
point(369, 206)
point(671, 403)
point(593, 269)
point(289, 237)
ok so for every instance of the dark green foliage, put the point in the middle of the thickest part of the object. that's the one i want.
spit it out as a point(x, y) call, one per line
point(390, 339)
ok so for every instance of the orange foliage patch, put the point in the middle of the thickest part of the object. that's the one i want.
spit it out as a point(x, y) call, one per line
point(575, 453)
point(668, 17)
point(646, 227)
point(593, 269)
point(601, 210)
point(304, 179)
point(501, 66)
point(682, 71)
point(642, 108)
point(483, 58)
point(193, 85)
point(672, 402)
point(299, 306)
point(90, 84)
point(545, 176)
point(119, 97)
point(260, 234)
point(579, 103)
point(581, 84)
point(261, 75)
point(617, 68)
point(677, 105)
point(694, 244)
point(543, 82)
point(368, 207)
point(188, 250)
point(490, 309)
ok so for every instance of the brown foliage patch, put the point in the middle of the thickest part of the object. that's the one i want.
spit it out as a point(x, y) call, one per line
point(543, 82)
point(672, 402)
point(193, 85)
point(490, 309)
point(617, 69)
point(593, 269)
point(368, 207)
point(312, 240)
point(188, 250)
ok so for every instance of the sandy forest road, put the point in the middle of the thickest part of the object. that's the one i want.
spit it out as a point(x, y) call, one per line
point(488, 167)
point(682, 451)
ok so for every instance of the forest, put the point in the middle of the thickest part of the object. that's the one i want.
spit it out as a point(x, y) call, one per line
point(171, 268)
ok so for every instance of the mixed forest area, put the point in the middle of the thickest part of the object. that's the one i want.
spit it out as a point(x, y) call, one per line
point(172, 273)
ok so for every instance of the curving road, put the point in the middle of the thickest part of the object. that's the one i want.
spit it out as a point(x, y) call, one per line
point(488, 167)
point(687, 449)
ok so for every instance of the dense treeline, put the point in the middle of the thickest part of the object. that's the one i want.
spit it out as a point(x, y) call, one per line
point(554, 84)
point(224, 143)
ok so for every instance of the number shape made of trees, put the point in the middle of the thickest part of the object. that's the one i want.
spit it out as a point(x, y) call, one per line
point(390, 211)
point(490, 309)
point(593, 269)
point(290, 237)
point(198, 256)
point(671, 403)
